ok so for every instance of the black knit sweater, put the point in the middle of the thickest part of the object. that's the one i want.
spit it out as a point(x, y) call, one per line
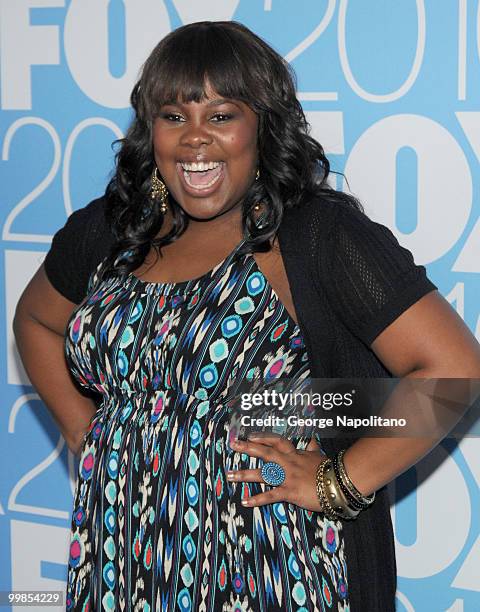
point(349, 280)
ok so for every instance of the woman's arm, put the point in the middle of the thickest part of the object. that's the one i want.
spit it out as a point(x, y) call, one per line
point(429, 340)
point(39, 325)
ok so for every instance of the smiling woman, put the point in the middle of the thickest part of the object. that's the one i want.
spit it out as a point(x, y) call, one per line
point(212, 92)
point(220, 256)
point(188, 138)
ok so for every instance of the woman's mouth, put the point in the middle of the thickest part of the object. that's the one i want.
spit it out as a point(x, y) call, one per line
point(201, 177)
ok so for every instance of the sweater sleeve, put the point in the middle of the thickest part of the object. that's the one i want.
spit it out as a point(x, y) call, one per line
point(369, 278)
point(76, 250)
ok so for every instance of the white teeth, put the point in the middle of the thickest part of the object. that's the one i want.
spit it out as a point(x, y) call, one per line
point(201, 187)
point(199, 166)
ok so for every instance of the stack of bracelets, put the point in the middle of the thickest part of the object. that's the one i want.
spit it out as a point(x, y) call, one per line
point(337, 493)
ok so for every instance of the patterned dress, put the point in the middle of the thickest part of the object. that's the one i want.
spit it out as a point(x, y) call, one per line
point(155, 524)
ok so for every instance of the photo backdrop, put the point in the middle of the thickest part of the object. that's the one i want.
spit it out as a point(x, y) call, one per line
point(391, 89)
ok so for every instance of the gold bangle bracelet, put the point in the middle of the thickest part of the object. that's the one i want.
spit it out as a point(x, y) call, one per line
point(363, 499)
point(337, 500)
point(326, 508)
point(329, 511)
point(318, 482)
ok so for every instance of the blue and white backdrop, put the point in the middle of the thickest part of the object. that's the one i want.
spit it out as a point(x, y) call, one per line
point(392, 91)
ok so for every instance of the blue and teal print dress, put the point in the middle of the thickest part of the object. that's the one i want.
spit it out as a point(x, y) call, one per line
point(155, 524)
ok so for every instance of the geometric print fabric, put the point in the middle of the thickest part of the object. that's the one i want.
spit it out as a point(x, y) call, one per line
point(155, 523)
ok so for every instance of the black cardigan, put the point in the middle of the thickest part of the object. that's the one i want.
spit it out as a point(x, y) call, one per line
point(349, 279)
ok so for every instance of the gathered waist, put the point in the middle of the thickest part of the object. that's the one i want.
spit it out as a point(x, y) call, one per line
point(157, 401)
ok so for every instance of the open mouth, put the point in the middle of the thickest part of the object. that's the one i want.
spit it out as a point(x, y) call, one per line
point(201, 176)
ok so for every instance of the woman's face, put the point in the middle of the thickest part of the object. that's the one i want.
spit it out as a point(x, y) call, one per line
point(206, 153)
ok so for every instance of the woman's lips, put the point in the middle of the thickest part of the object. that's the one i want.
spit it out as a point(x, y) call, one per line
point(200, 189)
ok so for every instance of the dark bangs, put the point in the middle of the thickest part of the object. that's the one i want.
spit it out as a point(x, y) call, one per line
point(185, 60)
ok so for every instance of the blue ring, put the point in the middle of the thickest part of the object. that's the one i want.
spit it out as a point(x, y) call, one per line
point(273, 474)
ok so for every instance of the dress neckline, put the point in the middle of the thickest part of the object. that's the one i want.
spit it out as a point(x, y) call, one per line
point(135, 283)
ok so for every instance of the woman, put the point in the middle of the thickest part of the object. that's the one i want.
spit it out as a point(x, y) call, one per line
point(219, 255)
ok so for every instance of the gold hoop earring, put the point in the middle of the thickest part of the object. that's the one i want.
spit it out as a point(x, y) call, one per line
point(159, 191)
point(257, 175)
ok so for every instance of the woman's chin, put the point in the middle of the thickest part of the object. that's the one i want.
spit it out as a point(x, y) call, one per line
point(205, 209)
point(203, 213)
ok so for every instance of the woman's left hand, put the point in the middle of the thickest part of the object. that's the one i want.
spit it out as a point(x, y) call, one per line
point(299, 486)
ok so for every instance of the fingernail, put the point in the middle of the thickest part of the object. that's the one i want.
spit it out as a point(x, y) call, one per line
point(245, 502)
point(230, 475)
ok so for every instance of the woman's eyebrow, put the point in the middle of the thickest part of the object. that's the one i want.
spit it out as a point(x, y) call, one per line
point(215, 102)
point(219, 101)
point(210, 103)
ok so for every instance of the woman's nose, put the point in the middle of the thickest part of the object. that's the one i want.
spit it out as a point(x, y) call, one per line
point(196, 135)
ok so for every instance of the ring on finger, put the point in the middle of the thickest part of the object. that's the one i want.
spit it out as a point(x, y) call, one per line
point(272, 473)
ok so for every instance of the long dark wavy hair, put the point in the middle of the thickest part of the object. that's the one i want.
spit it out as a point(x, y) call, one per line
point(238, 65)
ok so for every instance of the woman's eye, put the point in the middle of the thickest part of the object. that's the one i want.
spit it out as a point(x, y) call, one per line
point(175, 117)
point(222, 117)
point(172, 117)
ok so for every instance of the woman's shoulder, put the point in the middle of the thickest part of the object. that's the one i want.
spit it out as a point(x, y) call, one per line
point(323, 217)
point(339, 229)
point(92, 215)
point(357, 265)
point(77, 248)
